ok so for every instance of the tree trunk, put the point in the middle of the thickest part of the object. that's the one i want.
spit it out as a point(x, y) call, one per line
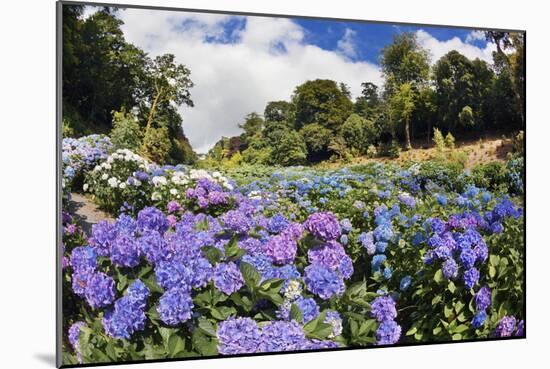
point(407, 134)
point(152, 111)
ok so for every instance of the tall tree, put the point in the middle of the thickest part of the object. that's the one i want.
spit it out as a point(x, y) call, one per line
point(368, 104)
point(402, 105)
point(321, 101)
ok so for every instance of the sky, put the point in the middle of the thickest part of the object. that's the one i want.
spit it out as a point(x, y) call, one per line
point(239, 63)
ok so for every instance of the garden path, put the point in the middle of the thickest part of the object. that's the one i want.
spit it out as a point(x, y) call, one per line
point(86, 213)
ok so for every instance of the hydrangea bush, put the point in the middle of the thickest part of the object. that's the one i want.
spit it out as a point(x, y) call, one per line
point(299, 260)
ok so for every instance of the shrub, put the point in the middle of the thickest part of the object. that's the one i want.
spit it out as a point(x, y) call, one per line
point(126, 132)
point(438, 140)
point(156, 145)
point(450, 141)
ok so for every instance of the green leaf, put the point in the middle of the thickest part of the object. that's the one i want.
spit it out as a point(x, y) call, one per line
point(456, 337)
point(207, 327)
point(436, 300)
point(436, 330)
point(447, 311)
point(250, 275)
point(295, 313)
point(451, 287)
point(438, 276)
point(175, 345)
point(411, 331)
point(232, 248)
point(212, 254)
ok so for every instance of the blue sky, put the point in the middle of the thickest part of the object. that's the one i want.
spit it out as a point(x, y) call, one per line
point(240, 63)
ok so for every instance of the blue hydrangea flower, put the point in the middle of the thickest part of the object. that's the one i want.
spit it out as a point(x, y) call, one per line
point(483, 298)
point(441, 199)
point(277, 223)
point(383, 308)
point(468, 258)
point(74, 336)
point(173, 275)
point(152, 219)
point(126, 318)
point(154, 247)
point(520, 331)
point(387, 272)
point(281, 336)
point(238, 336)
point(367, 241)
point(323, 282)
point(405, 283)
point(125, 251)
point(138, 293)
point(450, 269)
point(202, 272)
point(83, 258)
point(103, 234)
point(388, 333)
point(471, 277)
point(479, 319)
point(237, 221)
point(100, 290)
point(383, 232)
point(346, 225)
point(228, 278)
point(377, 262)
point(175, 306)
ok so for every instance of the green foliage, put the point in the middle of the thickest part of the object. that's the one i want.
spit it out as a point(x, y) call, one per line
point(518, 143)
point(358, 133)
point(449, 141)
point(317, 139)
point(290, 150)
point(321, 101)
point(156, 145)
point(372, 151)
point(466, 117)
point(438, 140)
point(126, 132)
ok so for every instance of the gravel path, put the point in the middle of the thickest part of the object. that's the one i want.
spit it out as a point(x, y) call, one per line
point(86, 213)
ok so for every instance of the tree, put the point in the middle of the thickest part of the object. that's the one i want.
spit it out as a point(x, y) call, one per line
point(460, 83)
point(321, 101)
point(402, 105)
point(156, 145)
point(368, 104)
point(317, 139)
point(358, 133)
point(404, 61)
point(252, 126)
point(290, 149)
point(168, 83)
point(126, 132)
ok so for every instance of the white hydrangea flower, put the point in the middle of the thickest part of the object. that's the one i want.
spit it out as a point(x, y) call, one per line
point(173, 191)
point(159, 181)
point(113, 182)
point(122, 185)
point(85, 187)
point(293, 290)
point(104, 176)
point(156, 196)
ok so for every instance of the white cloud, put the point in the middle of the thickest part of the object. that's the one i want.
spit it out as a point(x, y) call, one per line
point(439, 48)
point(346, 45)
point(266, 62)
point(475, 36)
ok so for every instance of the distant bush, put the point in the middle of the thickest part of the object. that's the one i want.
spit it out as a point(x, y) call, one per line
point(126, 132)
point(450, 141)
point(156, 145)
point(372, 152)
point(438, 140)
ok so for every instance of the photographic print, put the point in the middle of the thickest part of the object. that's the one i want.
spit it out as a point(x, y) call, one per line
point(239, 184)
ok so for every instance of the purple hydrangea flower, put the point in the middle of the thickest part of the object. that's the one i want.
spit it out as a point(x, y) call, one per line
point(103, 235)
point(154, 247)
point(367, 241)
point(173, 275)
point(236, 221)
point(505, 327)
point(125, 251)
point(383, 308)
point(323, 282)
point(175, 306)
point(152, 219)
point(100, 290)
point(127, 317)
point(323, 225)
point(228, 278)
point(238, 336)
point(468, 258)
point(83, 258)
point(318, 345)
point(450, 269)
point(388, 333)
point(173, 206)
point(138, 293)
point(201, 272)
point(281, 336)
point(329, 255)
point(520, 331)
point(281, 249)
point(74, 335)
point(483, 298)
point(346, 225)
point(471, 277)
